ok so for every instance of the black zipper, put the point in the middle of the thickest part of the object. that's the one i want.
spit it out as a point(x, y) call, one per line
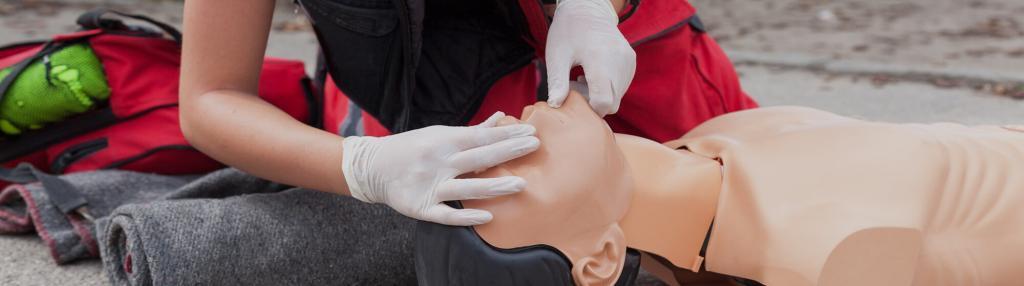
point(75, 153)
point(407, 77)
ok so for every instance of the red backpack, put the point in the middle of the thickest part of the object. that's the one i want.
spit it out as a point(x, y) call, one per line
point(137, 128)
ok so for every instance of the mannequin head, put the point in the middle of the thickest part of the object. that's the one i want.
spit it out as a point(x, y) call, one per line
point(578, 161)
point(590, 194)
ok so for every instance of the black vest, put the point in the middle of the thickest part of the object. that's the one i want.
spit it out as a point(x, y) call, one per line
point(416, 63)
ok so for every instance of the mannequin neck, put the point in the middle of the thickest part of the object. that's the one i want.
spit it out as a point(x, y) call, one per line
point(674, 200)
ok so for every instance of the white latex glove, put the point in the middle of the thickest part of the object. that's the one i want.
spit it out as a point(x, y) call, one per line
point(586, 33)
point(414, 172)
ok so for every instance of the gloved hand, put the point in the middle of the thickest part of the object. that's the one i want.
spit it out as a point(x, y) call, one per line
point(586, 33)
point(414, 172)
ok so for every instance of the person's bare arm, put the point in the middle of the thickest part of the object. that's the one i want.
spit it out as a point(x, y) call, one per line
point(618, 4)
point(220, 112)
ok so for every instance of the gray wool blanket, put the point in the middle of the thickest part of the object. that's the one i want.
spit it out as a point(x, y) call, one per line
point(224, 228)
point(69, 237)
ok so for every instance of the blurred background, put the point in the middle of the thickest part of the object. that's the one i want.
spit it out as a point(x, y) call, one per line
point(893, 60)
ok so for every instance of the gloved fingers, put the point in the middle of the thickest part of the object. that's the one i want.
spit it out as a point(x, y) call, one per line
point(626, 64)
point(491, 121)
point(487, 156)
point(444, 214)
point(478, 189)
point(600, 91)
point(559, 61)
point(580, 85)
point(486, 136)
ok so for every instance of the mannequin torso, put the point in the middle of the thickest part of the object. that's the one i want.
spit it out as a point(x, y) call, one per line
point(812, 198)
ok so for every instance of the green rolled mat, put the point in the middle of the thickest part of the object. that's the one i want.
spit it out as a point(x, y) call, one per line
point(76, 84)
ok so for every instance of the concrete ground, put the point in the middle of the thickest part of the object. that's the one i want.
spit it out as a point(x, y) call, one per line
point(894, 60)
point(966, 38)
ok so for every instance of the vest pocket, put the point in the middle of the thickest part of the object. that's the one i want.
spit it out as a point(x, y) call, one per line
point(374, 22)
point(362, 47)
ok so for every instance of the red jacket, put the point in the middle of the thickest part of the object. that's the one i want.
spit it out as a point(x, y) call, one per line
point(682, 79)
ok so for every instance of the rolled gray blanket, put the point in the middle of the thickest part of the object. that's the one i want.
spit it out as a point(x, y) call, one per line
point(295, 237)
point(70, 237)
point(26, 208)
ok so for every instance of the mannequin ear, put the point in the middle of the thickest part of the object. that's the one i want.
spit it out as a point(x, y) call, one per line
point(605, 263)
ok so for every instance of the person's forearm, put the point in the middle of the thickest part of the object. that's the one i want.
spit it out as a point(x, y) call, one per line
point(221, 114)
point(248, 133)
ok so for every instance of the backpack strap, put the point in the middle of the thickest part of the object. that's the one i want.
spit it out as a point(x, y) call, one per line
point(696, 24)
point(94, 20)
point(65, 196)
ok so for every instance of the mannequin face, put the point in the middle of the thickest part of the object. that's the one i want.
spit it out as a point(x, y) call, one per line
point(579, 188)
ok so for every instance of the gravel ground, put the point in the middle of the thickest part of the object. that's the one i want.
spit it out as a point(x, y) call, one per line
point(772, 37)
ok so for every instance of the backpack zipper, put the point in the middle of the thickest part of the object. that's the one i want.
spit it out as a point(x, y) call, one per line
point(75, 153)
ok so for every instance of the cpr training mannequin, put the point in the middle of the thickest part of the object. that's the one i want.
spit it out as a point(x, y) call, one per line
point(798, 197)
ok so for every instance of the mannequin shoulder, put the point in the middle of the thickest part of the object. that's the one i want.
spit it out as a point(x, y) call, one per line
point(755, 125)
point(766, 119)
